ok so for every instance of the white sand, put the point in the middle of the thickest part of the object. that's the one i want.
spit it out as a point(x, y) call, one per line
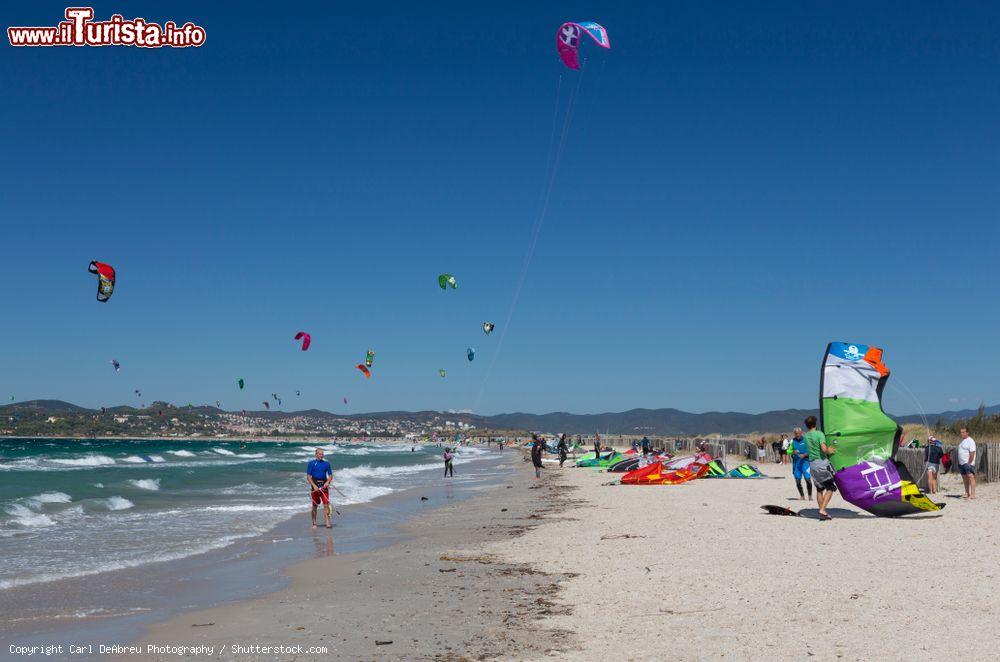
point(715, 577)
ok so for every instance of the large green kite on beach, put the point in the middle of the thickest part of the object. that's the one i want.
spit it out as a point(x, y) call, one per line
point(851, 383)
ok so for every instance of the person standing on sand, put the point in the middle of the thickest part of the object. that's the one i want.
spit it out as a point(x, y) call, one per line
point(761, 452)
point(536, 455)
point(933, 453)
point(644, 444)
point(967, 463)
point(785, 443)
point(800, 463)
point(448, 463)
point(563, 450)
point(597, 446)
point(819, 466)
point(318, 475)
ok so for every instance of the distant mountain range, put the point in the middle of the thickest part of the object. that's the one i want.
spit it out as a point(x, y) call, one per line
point(634, 421)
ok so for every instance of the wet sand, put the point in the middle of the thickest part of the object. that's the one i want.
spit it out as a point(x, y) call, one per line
point(434, 595)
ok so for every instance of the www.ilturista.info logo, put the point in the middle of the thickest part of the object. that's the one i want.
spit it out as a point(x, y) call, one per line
point(80, 29)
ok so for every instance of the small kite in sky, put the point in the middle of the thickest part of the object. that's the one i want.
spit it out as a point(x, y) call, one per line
point(305, 338)
point(105, 279)
point(568, 40)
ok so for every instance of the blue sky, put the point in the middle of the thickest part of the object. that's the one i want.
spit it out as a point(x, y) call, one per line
point(740, 184)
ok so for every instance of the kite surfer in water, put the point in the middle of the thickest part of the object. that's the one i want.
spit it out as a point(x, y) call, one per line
point(318, 475)
point(448, 466)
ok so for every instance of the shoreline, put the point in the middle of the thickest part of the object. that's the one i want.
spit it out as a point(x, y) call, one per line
point(433, 594)
point(110, 606)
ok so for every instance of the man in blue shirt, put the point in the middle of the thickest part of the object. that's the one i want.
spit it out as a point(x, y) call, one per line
point(318, 475)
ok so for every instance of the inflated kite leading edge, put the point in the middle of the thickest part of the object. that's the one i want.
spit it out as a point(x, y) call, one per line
point(851, 384)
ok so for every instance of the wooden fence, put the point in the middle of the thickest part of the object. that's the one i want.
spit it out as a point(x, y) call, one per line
point(987, 462)
point(987, 455)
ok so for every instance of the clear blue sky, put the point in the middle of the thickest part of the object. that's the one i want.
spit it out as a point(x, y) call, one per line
point(742, 183)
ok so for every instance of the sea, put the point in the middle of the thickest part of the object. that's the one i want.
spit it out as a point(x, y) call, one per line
point(75, 508)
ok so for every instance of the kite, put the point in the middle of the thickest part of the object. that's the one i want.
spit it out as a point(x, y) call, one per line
point(851, 416)
point(267, 405)
point(105, 279)
point(658, 474)
point(370, 358)
point(363, 368)
point(138, 393)
point(470, 352)
point(298, 392)
point(345, 401)
point(244, 412)
point(568, 40)
point(488, 327)
point(442, 373)
point(240, 382)
point(444, 280)
point(116, 365)
point(305, 338)
point(217, 404)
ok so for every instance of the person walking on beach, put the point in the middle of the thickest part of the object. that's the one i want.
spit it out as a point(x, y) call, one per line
point(318, 475)
point(449, 467)
point(536, 455)
point(933, 453)
point(819, 466)
point(967, 463)
point(645, 445)
point(563, 450)
point(800, 464)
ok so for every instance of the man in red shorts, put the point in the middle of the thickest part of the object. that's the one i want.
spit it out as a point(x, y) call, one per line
point(318, 475)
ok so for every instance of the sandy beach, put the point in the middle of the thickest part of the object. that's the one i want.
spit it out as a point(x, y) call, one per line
point(572, 568)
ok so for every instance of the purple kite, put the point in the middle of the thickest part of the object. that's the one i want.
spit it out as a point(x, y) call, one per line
point(305, 338)
point(568, 40)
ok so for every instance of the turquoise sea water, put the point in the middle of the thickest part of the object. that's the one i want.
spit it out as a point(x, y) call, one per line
point(72, 508)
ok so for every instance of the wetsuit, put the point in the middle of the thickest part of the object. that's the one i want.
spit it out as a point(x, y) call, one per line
point(800, 465)
point(448, 466)
point(562, 451)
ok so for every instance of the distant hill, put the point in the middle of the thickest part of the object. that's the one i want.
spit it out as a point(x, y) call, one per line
point(634, 421)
